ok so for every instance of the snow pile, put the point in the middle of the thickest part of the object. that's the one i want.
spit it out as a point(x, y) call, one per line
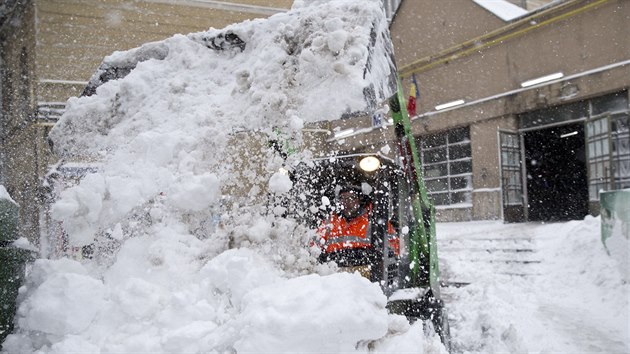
point(570, 298)
point(169, 128)
point(179, 265)
point(590, 282)
point(236, 301)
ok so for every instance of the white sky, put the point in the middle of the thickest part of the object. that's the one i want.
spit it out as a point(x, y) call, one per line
point(501, 8)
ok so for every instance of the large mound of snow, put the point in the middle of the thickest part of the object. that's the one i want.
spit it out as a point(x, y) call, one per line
point(168, 128)
point(179, 265)
point(562, 293)
point(235, 302)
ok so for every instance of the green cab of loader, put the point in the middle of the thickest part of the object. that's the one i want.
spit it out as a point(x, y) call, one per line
point(395, 187)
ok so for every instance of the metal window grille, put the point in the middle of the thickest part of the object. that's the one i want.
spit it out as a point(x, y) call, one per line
point(511, 169)
point(50, 112)
point(447, 166)
point(608, 144)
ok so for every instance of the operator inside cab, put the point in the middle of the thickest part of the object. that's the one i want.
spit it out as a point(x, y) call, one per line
point(345, 236)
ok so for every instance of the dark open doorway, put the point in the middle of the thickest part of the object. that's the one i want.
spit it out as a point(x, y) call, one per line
point(557, 186)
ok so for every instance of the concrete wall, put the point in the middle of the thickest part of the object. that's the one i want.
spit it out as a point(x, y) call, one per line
point(577, 39)
point(485, 65)
point(424, 27)
point(18, 154)
point(75, 35)
point(580, 38)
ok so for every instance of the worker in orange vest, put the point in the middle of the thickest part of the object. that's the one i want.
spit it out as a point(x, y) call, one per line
point(345, 236)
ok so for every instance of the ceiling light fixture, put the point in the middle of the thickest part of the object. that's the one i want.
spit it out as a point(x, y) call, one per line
point(542, 79)
point(568, 134)
point(449, 105)
point(344, 133)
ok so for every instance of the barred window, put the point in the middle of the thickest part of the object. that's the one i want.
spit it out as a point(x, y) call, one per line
point(608, 144)
point(511, 169)
point(447, 165)
point(620, 136)
point(598, 156)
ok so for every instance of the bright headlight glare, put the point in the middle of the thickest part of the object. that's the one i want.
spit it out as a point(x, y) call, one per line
point(369, 163)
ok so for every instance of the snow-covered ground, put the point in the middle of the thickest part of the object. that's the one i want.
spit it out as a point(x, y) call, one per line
point(535, 288)
point(510, 288)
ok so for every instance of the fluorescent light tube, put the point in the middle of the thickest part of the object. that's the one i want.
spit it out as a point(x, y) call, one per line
point(344, 133)
point(568, 134)
point(542, 79)
point(449, 105)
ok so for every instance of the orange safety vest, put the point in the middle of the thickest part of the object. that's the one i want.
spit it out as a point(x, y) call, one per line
point(337, 233)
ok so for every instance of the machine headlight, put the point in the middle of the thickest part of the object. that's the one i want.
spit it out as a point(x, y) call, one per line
point(370, 163)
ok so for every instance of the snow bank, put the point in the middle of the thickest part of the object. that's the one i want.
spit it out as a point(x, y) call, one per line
point(571, 297)
point(168, 127)
point(236, 301)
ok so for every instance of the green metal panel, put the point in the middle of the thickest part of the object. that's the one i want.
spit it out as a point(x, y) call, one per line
point(615, 210)
point(9, 212)
point(423, 253)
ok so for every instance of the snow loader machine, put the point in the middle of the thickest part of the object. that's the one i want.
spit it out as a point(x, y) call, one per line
point(389, 173)
point(372, 146)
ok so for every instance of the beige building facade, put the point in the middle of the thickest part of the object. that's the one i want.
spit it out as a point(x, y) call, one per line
point(49, 50)
point(508, 148)
point(538, 151)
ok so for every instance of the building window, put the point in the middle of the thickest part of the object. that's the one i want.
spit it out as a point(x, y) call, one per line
point(511, 169)
point(608, 144)
point(620, 139)
point(598, 157)
point(447, 166)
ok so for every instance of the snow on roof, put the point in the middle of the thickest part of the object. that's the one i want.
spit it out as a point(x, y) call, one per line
point(502, 9)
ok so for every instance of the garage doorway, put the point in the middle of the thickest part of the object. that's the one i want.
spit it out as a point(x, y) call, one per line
point(556, 176)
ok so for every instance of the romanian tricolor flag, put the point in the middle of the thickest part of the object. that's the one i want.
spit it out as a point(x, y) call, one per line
point(414, 94)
